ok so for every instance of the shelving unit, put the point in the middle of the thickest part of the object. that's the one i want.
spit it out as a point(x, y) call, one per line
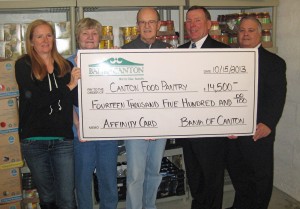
point(117, 5)
point(170, 153)
point(243, 6)
point(37, 8)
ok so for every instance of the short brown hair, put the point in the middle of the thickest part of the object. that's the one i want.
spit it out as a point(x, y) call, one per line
point(206, 12)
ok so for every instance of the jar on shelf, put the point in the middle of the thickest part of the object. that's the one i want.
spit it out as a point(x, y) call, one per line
point(214, 25)
point(159, 38)
point(170, 26)
point(165, 39)
point(186, 38)
point(233, 40)
point(163, 26)
point(239, 17)
point(224, 37)
point(173, 41)
point(216, 37)
point(222, 19)
point(266, 36)
point(259, 16)
point(266, 18)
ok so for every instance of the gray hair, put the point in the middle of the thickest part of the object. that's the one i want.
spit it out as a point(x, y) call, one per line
point(254, 19)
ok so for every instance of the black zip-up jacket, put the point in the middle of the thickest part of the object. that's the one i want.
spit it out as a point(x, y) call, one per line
point(45, 107)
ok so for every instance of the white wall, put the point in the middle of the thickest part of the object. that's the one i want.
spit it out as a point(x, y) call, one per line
point(287, 145)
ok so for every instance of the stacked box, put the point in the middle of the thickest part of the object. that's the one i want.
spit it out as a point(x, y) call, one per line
point(10, 185)
point(14, 205)
point(10, 153)
point(8, 84)
point(63, 37)
point(8, 116)
point(10, 40)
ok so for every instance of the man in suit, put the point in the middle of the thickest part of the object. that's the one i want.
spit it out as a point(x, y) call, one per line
point(204, 157)
point(250, 158)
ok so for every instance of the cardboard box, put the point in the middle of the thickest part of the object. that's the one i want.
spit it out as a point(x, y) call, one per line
point(9, 120)
point(10, 151)
point(14, 205)
point(1, 32)
point(8, 84)
point(62, 29)
point(10, 185)
point(12, 32)
point(64, 46)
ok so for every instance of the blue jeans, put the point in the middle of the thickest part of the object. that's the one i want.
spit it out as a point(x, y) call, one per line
point(143, 172)
point(101, 155)
point(51, 164)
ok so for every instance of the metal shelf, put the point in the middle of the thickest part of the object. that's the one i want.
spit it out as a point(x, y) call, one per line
point(129, 3)
point(42, 6)
point(235, 3)
point(117, 5)
point(243, 6)
point(11, 4)
point(168, 153)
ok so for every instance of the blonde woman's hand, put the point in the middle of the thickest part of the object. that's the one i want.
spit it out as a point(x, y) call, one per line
point(75, 76)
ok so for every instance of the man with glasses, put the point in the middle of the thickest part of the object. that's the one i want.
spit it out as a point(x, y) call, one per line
point(144, 156)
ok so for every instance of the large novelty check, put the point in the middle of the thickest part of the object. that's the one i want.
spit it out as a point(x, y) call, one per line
point(167, 93)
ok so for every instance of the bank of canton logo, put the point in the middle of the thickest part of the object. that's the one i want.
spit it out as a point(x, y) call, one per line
point(116, 67)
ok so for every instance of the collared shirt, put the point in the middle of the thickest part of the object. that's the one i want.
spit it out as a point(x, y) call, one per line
point(258, 46)
point(199, 43)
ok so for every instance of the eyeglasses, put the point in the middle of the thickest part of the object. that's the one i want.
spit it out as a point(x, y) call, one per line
point(150, 22)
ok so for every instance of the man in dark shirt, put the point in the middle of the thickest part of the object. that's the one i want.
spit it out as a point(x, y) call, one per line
point(250, 158)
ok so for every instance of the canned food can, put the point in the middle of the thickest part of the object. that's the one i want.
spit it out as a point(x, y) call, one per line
point(107, 30)
point(107, 33)
point(134, 31)
point(106, 44)
point(126, 31)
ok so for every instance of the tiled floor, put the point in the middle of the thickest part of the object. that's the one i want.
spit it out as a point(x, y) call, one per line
point(279, 200)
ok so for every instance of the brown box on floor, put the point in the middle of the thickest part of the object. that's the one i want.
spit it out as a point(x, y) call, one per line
point(10, 151)
point(10, 185)
point(14, 205)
